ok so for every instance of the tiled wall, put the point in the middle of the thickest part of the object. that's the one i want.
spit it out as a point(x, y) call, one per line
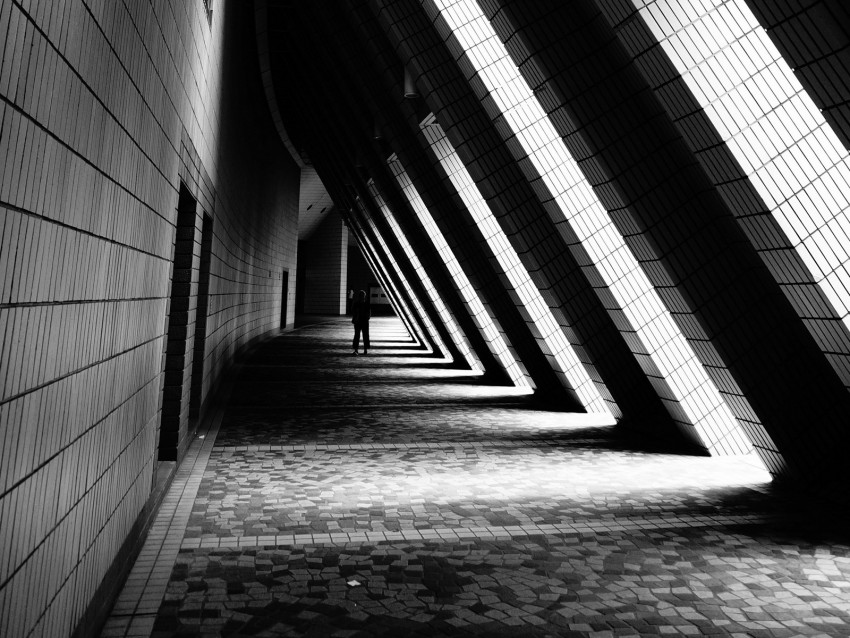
point(473, 306)
point(782, 173)
point(377, 90)
point(549, 333)
point(105, 107)
point(770, 151)
point(326, 256)
point(597, 249)
point(635, 189)
point(376, 104)
point(724, 302)
point(409, 29)
point(549, 161)
point(813, 37)
point(570, 240)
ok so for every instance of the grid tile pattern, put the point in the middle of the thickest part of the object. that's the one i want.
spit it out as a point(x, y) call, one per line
point(104, 108)
point(791, 157)
point(718, 292)
point(410, 29)
point(812, 41)
point(657, 334)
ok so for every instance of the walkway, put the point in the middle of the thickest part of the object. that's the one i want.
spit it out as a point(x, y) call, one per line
point(387, 495)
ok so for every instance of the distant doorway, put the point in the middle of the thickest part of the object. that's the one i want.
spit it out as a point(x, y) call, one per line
point(284, 298)
point(201, 318)
point(300, 279)
point(181, 334)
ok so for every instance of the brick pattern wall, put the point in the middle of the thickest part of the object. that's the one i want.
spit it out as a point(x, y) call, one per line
point(104, 108)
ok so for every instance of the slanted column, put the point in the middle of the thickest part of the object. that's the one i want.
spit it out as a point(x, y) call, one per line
point(400, 270)
point(384, 116)
point(814, 37)
point(388, 278)
point(438, 271)
point(468, 240)
point(722, 297)
point(544, 243)
point(436, 315)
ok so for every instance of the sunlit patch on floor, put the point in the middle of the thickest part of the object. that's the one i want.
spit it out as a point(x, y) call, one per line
point(464, 509)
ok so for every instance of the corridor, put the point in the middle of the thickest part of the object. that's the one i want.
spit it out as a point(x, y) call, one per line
point(389, 495)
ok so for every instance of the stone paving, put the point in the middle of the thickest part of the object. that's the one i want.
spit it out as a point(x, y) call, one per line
point(390, 495)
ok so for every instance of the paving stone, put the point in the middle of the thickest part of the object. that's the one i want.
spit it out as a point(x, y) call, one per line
point(463, 509)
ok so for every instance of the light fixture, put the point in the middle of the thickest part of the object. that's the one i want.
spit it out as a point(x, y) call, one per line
point(410, 91)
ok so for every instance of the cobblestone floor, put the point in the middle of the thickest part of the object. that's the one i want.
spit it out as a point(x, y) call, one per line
point(388, 496)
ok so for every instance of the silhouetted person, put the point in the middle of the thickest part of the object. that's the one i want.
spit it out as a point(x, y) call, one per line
point(360, 318)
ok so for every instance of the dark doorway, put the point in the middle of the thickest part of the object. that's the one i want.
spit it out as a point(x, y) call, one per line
point(300, 278)
point(284, 298)
point(181, 333)
point(201, 318)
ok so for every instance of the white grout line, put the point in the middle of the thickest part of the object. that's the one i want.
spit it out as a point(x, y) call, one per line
point(564, 529)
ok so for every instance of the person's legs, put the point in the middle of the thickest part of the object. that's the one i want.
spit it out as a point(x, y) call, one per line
point(365, 337)
point(356, 337)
